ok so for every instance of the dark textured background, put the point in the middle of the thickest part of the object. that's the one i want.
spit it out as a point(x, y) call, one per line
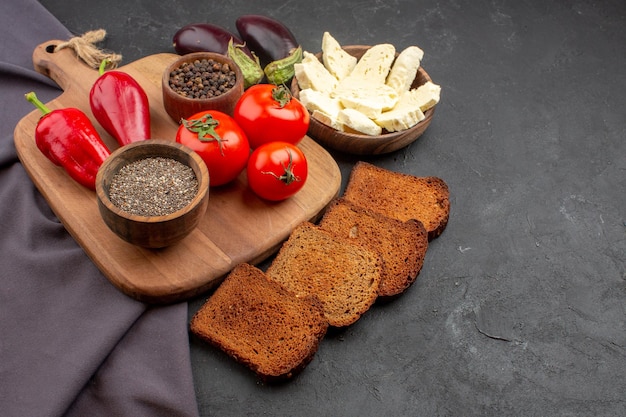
point(520, 308)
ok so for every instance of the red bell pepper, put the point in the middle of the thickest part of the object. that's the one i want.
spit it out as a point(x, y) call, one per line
point(121, 106)
point(69, 139)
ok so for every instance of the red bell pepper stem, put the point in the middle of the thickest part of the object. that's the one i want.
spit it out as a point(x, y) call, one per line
point(32, 97)
point(68, 139)
point(121, 106)
point(103, 66)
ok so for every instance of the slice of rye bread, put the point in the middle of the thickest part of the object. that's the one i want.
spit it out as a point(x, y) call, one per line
point(402, 245)
point(343, 274)
point(400, 196)
point(259, 323)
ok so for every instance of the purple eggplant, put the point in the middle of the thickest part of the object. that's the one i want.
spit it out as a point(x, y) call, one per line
point(274, 44)
point(268, 38)
point(207, 37)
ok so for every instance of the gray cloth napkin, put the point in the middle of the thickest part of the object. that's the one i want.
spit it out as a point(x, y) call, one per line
point(71, 344)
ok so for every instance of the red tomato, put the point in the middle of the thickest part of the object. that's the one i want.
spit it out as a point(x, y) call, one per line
point(219, 141)
point(277, 170)
point(268, 113)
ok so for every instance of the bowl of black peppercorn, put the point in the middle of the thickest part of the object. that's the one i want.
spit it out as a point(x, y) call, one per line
point(201, 81)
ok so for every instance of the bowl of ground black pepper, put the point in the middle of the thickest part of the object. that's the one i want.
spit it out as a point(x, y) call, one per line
point(201, 81)
point(152, 193)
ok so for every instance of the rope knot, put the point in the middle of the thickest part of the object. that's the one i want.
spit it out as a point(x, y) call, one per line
point(85, 48)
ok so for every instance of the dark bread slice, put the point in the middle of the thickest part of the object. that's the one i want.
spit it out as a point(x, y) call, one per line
point(261, 324)
point(344, 275)
point(400, 196)
point(402, 245)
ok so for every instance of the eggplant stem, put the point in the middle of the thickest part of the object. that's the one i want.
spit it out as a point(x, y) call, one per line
point(250, 68)
point(281, 71)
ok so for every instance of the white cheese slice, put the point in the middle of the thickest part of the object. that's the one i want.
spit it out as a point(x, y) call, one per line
point(375, 63)
point(317, 100)
point(404, 69)
point(311, 73)
point(370, 99)
point(404, 115)
point(359, 122)
point(337, 61)
point(327, 119)
point(427, 95)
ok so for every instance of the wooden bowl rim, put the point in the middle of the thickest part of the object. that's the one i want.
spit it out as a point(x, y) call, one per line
point(203, 179)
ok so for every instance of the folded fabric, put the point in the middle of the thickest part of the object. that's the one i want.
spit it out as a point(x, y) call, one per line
point(70, 343)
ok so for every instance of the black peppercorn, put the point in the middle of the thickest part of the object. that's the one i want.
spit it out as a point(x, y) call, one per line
point(202, 79)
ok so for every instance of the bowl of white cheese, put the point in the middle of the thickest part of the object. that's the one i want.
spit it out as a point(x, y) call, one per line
point(365, 100)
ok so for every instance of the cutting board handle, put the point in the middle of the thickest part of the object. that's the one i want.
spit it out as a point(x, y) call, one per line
point(62, 66)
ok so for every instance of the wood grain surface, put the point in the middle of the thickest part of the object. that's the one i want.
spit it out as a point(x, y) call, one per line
point(238, 226)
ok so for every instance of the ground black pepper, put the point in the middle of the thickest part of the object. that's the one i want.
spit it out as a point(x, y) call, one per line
point(202, 79)
point(154, 186)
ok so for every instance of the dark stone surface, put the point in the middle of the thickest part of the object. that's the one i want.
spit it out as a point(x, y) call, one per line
point(520, 308)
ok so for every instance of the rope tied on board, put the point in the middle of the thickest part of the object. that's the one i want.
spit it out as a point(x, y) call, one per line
point(85, 48)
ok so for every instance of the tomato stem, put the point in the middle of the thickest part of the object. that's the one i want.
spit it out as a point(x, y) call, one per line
point(205, 127)
point(281, 95)
point(288, 176)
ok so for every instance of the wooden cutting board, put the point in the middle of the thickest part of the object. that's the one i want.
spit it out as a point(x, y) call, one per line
point(238, 226)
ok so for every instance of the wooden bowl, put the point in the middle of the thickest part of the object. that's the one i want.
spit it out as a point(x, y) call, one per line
point(360, 144)
point(152, 231)
point(179, 107)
